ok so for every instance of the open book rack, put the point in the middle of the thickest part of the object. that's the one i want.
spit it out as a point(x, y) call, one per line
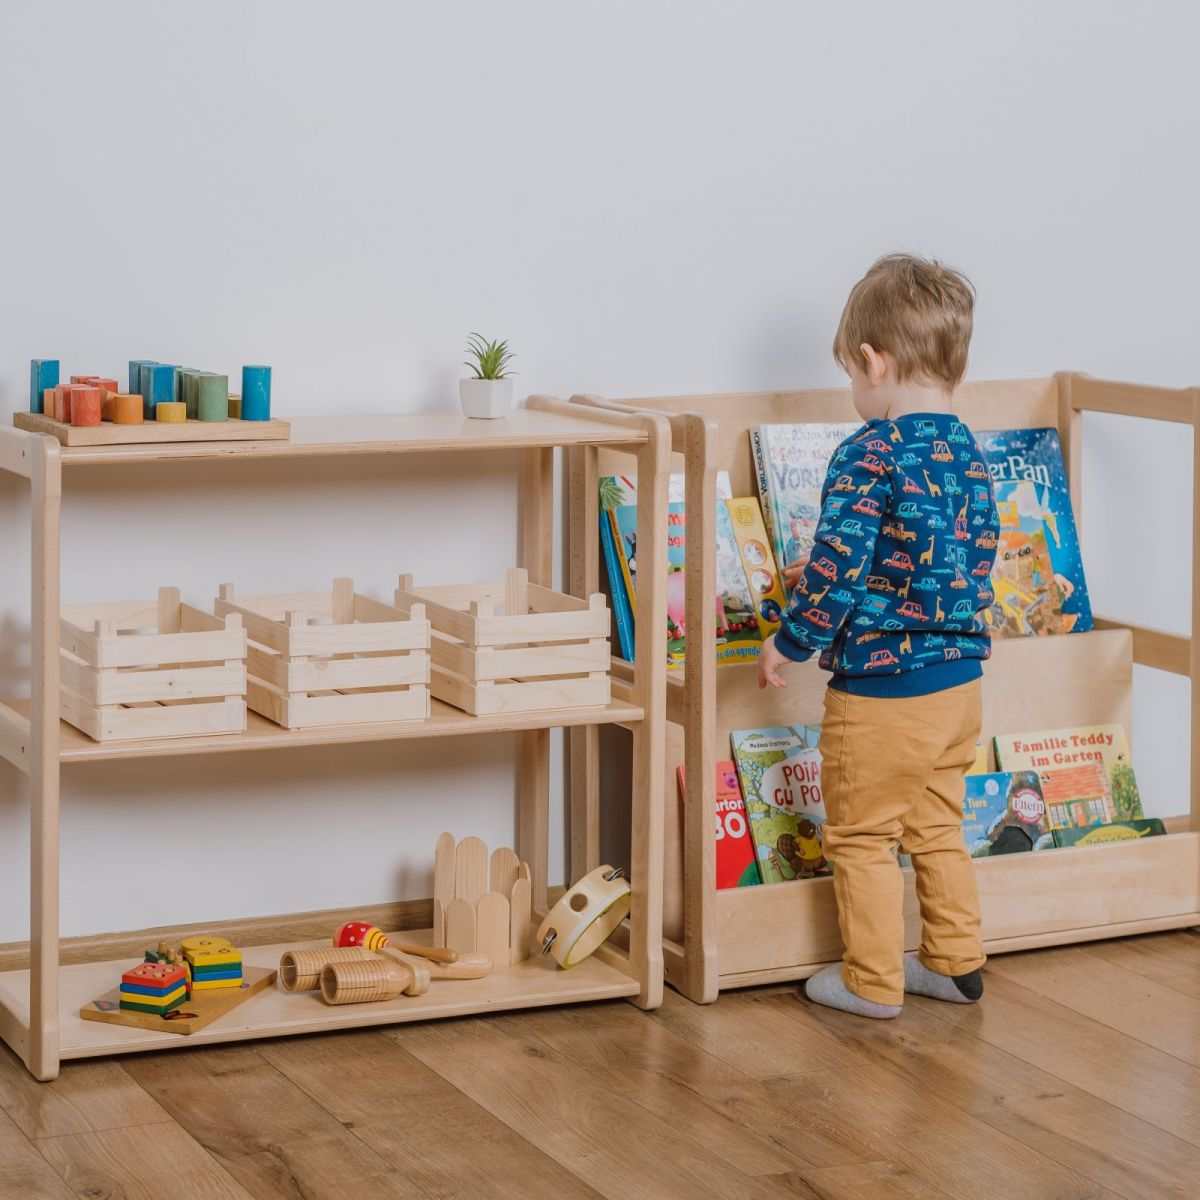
point(772, 932)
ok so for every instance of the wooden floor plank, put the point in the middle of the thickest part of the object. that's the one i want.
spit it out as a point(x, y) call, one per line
point(560, 1107)
point(1045, 1113)
point(270, 1136)
point(1126, 1073)
point(1079, 979)
point(139, 1162)
point(670, 1077)
point(871, 1181)
point(24, 1173)
point(1169, 959)
point(433, 1137)
point(86, 1097)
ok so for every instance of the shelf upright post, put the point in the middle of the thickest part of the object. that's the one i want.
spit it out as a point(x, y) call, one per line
point(46, 507)
point(1194, 631)
point(535, 511)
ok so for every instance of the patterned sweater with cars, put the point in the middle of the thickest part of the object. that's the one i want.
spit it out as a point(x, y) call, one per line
point(893, 594)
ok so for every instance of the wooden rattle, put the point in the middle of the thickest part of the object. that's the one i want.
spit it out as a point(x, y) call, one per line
point(468, 966)
point(371, 937)
point(368, 980)
point(585, 916)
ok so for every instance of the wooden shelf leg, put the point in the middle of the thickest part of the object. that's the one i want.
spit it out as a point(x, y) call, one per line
point(43, 1059)
point(581, 555)
point(533, 810)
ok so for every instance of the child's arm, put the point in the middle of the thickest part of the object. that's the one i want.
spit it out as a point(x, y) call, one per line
point(835, 577)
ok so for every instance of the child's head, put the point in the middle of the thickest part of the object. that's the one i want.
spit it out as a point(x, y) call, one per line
point(907, 321)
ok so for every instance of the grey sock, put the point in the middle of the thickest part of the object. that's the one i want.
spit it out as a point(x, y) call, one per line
point(829, 988)
point(958, 989)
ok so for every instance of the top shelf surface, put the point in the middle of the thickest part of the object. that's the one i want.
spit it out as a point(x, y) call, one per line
point(379, 434)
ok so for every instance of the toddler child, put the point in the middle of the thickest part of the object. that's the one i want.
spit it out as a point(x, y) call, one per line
point(892, 598)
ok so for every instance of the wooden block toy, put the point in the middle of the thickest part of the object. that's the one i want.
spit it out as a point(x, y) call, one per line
point(64, 402)
point(513, 646)
point(188, 377)
point(335, 657)
point(85, 406)
point(173, 411)
point(158, 386)
point(135, 374)
point(127, 409)
point(214, 961)
point(256, 393)
point(153, 987)
point(212, 397)
point(43, 374)
point(235, 407)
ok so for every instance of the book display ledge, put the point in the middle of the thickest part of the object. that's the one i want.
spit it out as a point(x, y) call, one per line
point(39, 1006)
point(735, 937)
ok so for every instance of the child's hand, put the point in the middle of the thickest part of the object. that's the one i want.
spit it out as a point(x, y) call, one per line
point(791, 575)
point(769, 662)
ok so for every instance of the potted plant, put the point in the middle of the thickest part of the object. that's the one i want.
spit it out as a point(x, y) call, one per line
point(489, 393)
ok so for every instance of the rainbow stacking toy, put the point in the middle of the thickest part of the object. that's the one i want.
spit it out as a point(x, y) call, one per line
point(153, 987)
point(214, 963)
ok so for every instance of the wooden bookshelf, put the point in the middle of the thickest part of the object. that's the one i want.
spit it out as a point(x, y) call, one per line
point(720, 939)
point(39, 1007)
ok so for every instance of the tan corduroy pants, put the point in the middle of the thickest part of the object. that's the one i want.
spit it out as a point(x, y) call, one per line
point(892, 774)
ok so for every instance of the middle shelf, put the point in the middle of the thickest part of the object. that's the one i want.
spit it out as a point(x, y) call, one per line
point(262, 734)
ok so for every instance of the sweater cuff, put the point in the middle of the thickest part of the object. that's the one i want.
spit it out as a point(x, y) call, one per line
point(790, 648)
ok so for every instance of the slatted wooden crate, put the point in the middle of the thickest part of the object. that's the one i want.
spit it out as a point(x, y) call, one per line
point(157, 670)
point(513, 646)
point(332, 658)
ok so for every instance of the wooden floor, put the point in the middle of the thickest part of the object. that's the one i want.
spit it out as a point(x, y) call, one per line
point(1078, 1076)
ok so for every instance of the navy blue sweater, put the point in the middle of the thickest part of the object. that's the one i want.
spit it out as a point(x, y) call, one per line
point(893, 592)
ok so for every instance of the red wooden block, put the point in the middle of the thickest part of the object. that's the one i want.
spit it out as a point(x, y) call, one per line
point(155, 974)
point(85, 406)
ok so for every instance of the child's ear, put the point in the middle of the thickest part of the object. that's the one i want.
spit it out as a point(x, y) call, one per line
point(876, 364)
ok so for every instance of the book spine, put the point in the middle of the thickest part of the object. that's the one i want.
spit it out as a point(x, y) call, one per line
point(764, 487)
point(616, 585)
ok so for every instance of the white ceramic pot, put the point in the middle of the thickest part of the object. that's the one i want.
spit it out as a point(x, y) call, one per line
point(486, 397)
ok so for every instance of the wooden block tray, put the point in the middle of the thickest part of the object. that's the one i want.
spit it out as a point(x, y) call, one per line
point(207, 1005)
point(109, 434)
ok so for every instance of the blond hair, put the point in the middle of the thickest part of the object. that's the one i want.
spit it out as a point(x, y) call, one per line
point(914, 309)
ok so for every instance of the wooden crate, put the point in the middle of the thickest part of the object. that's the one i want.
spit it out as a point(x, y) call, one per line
point(513, 646)
point(332, 658)
point(155, 670)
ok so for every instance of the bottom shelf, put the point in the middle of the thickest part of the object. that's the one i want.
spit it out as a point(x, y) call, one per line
point(531, 984)
point(1049, 897)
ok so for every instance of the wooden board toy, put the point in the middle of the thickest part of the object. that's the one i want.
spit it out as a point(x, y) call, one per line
point(173, 404)
point(207, 1007)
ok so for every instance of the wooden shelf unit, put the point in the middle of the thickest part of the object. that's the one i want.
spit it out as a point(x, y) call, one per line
point(736, 937)
point(39, 1007)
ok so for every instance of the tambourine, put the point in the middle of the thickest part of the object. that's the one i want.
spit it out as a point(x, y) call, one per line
point(585, 916)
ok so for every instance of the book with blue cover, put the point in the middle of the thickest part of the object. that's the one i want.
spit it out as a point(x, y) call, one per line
point(1038, 577)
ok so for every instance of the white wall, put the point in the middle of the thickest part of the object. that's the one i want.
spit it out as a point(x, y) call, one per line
point(642, 196)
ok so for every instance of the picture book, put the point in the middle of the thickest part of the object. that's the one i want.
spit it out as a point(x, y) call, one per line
point(618, 598)
point(1038, 578)
point(736, 864)
point(1004, 813)
point(1074, 796)
point(790, 464)
point(758, 563)
point(739, 637)
point(780, 772)
point(1114, 831)
point(621, 498)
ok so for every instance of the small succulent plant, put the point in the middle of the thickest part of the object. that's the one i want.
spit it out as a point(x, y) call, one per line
point(488, 360)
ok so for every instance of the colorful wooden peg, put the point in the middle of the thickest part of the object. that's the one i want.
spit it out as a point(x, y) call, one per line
point(212, 397)
point(172, 411)
point(43, 374)
point(256, 393)
point(127, 409)
point(85, 406)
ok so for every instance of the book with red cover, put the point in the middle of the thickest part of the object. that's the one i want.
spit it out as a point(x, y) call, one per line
point(736, 864)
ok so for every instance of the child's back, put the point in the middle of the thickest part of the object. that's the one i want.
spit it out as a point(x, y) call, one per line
point(892, 598)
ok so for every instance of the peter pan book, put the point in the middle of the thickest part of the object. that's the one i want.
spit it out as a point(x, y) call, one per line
point(736, 865)
point(1004, 813)
point(1087, 775)
point(790, 465)
point(1038, 577)
point(1114, 831)
point(758, 563)
point(780, 772)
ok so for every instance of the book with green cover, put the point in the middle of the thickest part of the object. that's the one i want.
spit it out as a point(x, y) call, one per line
point(1114, 831)
point(780, 772)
